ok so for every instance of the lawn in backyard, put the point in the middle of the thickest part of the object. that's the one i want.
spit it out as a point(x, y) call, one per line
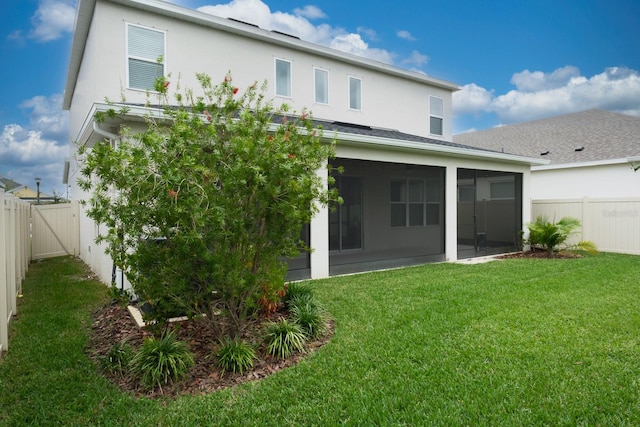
point(510, 342)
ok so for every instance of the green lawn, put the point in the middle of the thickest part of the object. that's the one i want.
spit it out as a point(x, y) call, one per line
point(514, 342)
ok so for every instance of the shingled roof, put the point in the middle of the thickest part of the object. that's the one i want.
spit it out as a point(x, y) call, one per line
point(589, 136)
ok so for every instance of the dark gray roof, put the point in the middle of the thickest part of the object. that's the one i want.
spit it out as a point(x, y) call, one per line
point(356, 129)
point(603, 135)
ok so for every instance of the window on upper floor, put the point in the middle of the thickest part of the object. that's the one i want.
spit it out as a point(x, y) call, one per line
point(145, 56)
point(321, 83)
point(283, 78)
point(436, 115)
point(355, 93)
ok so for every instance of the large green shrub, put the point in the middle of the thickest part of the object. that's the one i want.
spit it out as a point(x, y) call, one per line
point(201, 208)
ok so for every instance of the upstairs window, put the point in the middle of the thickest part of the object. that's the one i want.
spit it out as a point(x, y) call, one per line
point(321, 83)
point(436, 115)
point(145, 57)
point(355, 93)
point(283, 78)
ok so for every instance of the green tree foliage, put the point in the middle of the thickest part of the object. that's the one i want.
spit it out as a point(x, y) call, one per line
point(201, 208)
point(551, 236)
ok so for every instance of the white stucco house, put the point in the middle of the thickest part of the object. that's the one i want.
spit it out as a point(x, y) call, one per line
point(593, 172)
point(411, 194)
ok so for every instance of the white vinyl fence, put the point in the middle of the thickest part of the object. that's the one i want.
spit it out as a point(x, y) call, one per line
point(612, 224)
point(14, 259)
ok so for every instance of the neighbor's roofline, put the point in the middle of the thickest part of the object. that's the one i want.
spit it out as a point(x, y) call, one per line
point(86, 8)
point(344, 138)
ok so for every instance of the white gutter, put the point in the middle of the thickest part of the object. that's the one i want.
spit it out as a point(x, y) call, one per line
point(344, 138)
point(607, 162)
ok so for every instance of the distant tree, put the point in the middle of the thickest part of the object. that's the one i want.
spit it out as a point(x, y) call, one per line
point(203, 206)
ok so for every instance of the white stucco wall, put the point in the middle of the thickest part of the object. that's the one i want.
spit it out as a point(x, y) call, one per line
point(616, 180)
point(388, 101)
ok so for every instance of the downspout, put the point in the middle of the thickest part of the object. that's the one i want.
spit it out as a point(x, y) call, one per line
point(113, 141)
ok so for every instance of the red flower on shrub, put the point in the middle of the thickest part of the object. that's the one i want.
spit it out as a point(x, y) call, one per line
point(292, 156)
point(166, 85)
point(173, 194)
point(227, 79)
point(208, 115)
point(235, 90)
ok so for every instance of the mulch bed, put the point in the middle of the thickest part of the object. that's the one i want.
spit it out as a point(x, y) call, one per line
point(113, 323)
point(540, 254)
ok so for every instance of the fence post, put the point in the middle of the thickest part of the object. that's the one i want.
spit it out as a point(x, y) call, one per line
point(4, 300)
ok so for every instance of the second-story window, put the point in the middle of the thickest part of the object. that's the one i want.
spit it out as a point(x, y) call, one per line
point(355, 93)
point(145, 57)
point(283, 78)
point(321, 83)
point(436, 115)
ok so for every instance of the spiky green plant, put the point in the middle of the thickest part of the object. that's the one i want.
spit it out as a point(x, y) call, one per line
point(118, 358)
point(161, 360)
point(551, 236)
point(283, 338)
point(311, 317)
point(235, 355)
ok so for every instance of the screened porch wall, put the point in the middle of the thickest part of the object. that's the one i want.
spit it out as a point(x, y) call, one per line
point(383, 242)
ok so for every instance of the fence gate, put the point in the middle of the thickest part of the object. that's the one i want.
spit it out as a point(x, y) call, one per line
point(55, 230)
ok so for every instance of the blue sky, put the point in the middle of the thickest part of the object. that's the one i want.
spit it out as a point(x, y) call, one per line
point(515, 61)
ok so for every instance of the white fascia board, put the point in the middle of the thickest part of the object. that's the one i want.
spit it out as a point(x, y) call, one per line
point(443, 150)
point(84, 15)
point(583, 164)
point(137, 113)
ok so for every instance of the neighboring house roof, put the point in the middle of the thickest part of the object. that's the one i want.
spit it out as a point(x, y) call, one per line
point(24, 192)
point(593, 136)
point(9, 184)
point(84, 16)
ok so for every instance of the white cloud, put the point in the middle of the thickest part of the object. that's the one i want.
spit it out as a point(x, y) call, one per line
point(471, 99)
point(52, 19)
point(258, 13)
point(527, 81)
point(416, 59)
point(406, 35)
point(539, 95)
point(40, 148)
point(310, 12)
point(369, 33)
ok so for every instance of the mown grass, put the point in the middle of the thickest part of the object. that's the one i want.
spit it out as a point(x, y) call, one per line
point(514, 342)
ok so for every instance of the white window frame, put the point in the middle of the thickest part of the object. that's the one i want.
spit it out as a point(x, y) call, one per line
point(148, 60)
point(359, 80)
point(436, 115)
point(315, 85)
point(289, 93)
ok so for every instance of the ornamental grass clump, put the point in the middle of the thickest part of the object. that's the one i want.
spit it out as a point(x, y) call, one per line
point(160, 361)
point(282, 338)
point(235, 355)
point(311, 317)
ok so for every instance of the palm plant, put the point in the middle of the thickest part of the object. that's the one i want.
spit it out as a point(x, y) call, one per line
point(550, 236)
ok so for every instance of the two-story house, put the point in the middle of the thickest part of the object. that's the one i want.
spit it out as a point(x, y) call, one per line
point(410, 194)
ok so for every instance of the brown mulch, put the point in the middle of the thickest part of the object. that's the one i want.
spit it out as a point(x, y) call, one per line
point(540, 254)
point(113, 323)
